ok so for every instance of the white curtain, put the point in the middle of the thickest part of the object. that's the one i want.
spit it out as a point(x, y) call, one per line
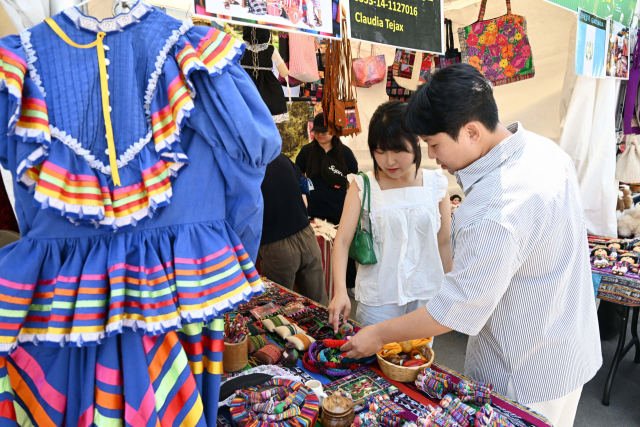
point(588, 114)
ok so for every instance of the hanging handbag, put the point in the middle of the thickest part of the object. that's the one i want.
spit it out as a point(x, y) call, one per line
point(394, 90)
point(283, 50)
point(451, 55)
point(361, 249)
point(369, 71)
point(628, 164)
point(631, 99)
point(499, 48)
point(303, 64)
point(339, 99)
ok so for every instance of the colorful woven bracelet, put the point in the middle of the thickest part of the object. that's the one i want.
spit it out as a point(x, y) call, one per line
point(257, 342)
point(306, 342)
point(276, 321)
point(292, 329)
point(273, 352)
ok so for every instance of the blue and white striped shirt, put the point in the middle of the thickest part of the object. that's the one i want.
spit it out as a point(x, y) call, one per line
point(521, 279)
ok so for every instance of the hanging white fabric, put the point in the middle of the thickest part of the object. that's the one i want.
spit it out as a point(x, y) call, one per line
point(589, 138)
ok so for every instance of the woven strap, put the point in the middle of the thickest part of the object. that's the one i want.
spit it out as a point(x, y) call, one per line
point(104, 90)
point(483, 7)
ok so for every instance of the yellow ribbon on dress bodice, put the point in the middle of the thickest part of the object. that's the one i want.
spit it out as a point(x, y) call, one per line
point(104, 88)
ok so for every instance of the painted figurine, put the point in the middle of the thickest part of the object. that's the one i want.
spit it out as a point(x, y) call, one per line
point(613, 255)
point(600, 257)
point(617, 243)
point(627, 262)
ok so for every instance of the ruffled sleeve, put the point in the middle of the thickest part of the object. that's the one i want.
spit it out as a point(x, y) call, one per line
point(23, 112)
point(359, 182)
point(441, 186)
point(232, 118)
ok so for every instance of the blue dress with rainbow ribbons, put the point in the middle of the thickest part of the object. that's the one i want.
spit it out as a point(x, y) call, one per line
point(111, 304)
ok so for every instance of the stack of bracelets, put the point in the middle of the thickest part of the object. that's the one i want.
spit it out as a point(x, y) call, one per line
point(292, 328)
point(305, 341)
point(257, 342)
point(285, 404)
point(276, 321)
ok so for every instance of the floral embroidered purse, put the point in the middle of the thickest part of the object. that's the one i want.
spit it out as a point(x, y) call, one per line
point(498, 47)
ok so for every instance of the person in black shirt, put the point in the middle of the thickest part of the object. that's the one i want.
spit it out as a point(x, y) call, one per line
point(289, 251)
point(315, 160)
point(327, 162)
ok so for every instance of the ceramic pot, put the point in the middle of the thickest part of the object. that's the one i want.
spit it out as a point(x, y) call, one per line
point(337, 411)
point(290, 355)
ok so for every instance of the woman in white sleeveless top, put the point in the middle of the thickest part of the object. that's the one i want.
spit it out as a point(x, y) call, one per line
point(411, 221)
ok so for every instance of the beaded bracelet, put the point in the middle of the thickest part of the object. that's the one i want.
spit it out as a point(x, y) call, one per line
point(272, 352)
point(276, 321)
point(292, 329)
point(257, 342)
point(306, 342)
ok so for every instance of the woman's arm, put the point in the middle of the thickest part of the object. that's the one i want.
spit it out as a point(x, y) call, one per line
point(340, 304)
point(444, 234)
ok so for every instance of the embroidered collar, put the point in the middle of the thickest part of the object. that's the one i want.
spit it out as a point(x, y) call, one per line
point(468, 176)
point(257, 47)
point(108, 25)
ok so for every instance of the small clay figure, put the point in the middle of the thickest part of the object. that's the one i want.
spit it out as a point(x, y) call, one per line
point(600, 257)
point(616, 243)
point(627, 262)
point(613, 255)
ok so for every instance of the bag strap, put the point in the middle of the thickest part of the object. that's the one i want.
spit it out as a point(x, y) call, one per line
point(483, 7)
point(365, 196)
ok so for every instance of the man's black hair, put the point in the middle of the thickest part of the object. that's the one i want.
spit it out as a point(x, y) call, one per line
point(454, 96)
point(387, 133)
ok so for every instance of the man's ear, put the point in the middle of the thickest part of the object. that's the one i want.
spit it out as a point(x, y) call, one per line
point(474, 132)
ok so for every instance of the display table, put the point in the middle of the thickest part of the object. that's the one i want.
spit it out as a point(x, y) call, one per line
point(409, 397)
point(624, 291)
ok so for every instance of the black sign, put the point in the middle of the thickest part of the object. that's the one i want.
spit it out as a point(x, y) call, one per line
point(410, 24)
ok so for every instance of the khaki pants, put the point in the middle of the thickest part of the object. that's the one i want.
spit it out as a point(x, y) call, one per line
point(296, 259)
point(562, 411)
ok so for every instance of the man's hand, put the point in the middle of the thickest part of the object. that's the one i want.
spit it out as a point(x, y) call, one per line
point(365, 343)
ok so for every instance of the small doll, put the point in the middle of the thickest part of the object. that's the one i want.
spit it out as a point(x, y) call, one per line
point(613, 255)
point(600, 256)
point(627, 262)
point(461, 412)
point(616, 243)
point(487, 417)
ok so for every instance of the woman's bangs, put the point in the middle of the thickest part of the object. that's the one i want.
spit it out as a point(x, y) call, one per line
point(397, 143)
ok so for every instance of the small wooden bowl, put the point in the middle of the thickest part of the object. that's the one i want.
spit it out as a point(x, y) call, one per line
point(235, 357)
point(400, 373)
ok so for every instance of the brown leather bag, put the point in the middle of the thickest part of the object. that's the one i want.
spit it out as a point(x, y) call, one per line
point(340, 98)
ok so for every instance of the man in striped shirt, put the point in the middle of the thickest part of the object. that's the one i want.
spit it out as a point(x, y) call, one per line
point(521, 281)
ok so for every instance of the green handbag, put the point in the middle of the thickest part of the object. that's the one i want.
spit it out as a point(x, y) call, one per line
point(361, 249)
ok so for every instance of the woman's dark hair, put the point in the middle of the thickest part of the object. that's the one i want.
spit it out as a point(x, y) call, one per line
point(455, 196)
point(387, 133)
point(313, 163)
point(454, 96)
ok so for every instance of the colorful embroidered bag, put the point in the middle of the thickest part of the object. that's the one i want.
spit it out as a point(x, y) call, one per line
point(369, 71)
point(498, 47)
point(394, 90)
